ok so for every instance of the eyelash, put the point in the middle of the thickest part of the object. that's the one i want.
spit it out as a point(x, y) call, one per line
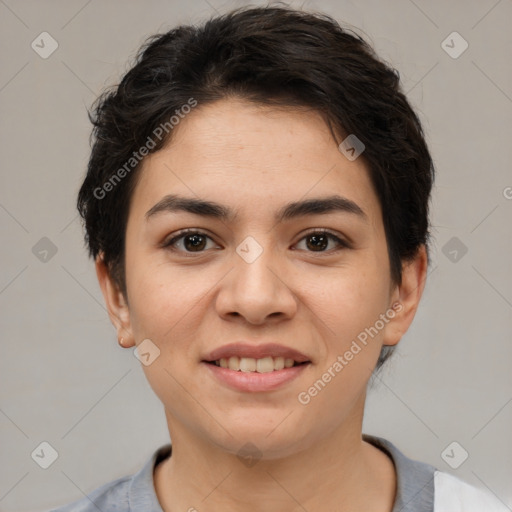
point(168, 244)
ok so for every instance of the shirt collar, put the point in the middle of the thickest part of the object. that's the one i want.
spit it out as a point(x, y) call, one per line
point(142, 493)
point(415, 480)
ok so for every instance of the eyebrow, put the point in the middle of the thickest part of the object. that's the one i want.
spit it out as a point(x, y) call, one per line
point(314, 206)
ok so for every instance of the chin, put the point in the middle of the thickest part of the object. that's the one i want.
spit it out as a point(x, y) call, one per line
point(261, 437)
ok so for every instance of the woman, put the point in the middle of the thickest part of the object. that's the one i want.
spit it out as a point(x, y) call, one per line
point(257, 204)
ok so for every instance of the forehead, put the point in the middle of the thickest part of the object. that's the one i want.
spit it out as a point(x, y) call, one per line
point(239, 153)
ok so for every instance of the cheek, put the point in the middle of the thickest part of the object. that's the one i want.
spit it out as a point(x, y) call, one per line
point(166, 309)
point(150, 283)
point(162, 298)
point(350, 305)
point(170, 307)
point(347, 299)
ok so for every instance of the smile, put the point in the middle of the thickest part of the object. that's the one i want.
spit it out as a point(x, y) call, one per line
point(250, 364)
point(253, 380)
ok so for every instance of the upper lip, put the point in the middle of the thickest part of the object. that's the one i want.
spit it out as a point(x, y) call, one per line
point(259, 351)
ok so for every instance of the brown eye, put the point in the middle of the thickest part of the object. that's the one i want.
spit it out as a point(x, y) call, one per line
point(192, 241)
point(318, 241)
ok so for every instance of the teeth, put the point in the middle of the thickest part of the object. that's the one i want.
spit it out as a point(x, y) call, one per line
point(265, 365)
point(249, 364)
point(233, 363)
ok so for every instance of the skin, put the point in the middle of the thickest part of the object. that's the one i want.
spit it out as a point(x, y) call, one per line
point(255, 160)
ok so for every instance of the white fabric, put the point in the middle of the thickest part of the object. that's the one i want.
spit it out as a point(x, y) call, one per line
point(454, 495)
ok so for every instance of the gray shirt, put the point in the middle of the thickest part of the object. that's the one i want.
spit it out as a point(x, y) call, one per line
point(415, 486)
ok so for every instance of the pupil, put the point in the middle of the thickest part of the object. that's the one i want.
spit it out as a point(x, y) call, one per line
point(320, 241)
point(196, 241)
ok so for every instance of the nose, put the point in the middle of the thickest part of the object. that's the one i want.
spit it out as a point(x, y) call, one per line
point(257, 290)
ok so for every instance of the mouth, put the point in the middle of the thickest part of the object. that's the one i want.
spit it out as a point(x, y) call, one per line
point(246, 367)
point(248, 375)
point(252, 365)
point(249, 357)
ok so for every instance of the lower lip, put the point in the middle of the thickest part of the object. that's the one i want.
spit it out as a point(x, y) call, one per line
point(254, 381)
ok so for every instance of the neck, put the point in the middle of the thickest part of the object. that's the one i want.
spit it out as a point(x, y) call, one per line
point(339, 472)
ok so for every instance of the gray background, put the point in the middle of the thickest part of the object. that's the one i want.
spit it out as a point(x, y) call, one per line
point(65, 381)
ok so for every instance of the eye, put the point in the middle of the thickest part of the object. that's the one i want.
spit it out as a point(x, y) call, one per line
point(318, 241)
point(193, 241)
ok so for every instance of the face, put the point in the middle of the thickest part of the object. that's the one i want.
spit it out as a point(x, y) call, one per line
point(307, 281)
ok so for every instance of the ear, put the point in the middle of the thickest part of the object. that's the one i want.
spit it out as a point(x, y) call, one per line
point(116, 304)
point(405, 297)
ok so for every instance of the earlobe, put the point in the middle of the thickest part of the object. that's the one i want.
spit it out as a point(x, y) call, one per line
point(116, 305)
point(407, 296)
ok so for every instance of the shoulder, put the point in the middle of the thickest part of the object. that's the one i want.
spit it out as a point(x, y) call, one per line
point(421, 487)
point(112, 496)
point(454, 495)
point(126, 494)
